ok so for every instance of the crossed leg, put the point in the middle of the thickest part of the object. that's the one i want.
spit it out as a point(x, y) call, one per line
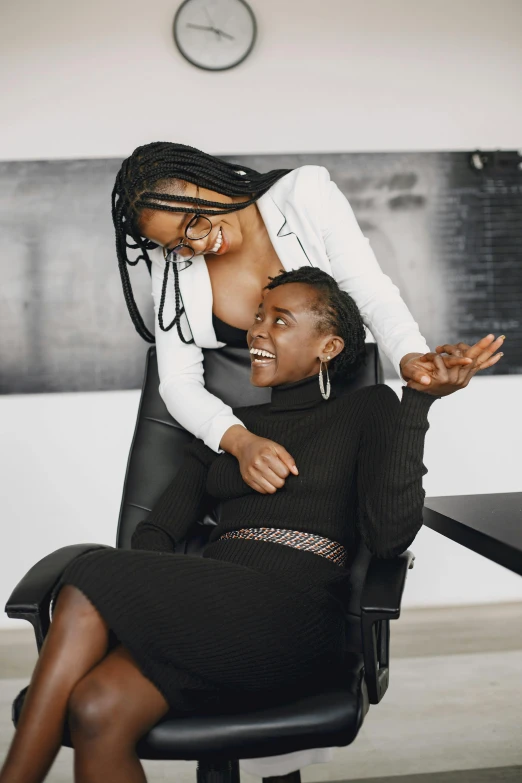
point(110, 709)
point(76, 643)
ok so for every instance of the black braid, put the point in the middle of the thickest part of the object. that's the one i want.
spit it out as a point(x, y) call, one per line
point(179, 310)
point(134, 191)
point(336, 312)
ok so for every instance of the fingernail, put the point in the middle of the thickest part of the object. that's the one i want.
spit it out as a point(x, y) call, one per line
point(501, 354)
point(502, 337)
point(425, 379)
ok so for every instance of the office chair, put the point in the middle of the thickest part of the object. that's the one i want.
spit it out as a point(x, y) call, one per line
point(321, 717)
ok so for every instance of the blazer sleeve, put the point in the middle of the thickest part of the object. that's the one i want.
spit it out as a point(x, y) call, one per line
point(390, 467)
point(180, 367)
point(180, 505)
point(357, 272)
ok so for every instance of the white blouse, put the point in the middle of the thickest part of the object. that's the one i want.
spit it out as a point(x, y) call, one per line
point(309, 221)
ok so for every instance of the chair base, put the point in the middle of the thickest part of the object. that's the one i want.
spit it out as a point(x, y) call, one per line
point(220, 772)
point(228, 772)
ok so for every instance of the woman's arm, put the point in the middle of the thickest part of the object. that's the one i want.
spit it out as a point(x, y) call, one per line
point(180, 367)
point(389, 462)
point(179, 506)
point(357, 272)
point(390, 469)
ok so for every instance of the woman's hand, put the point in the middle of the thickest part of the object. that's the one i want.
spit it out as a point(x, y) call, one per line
point(454, 372)
point(263, 463)
point(459, 349)
point(419, 367)
point(413, 367)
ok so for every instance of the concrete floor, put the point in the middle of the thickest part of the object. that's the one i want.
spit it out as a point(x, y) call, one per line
point(452, 713)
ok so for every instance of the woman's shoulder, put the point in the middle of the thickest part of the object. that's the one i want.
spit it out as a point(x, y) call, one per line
point(369, 397)
point(380, 391)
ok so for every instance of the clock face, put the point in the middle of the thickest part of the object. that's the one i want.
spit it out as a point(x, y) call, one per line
point(214, 34)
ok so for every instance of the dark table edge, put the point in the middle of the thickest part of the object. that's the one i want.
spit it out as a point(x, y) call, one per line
point(499, 552)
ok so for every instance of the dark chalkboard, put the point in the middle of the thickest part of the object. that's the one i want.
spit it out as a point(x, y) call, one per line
point(446, 227)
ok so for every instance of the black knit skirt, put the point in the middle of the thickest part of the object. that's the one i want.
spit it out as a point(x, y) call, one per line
point(249, 623)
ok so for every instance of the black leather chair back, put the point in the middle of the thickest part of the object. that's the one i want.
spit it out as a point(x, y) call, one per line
point(157, 447)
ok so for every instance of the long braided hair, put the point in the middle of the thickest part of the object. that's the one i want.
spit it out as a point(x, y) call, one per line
point(141, 183)
point(335, 311)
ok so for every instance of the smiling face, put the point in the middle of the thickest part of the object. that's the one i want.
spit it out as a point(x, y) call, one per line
point(285, 328)
point(168, 228)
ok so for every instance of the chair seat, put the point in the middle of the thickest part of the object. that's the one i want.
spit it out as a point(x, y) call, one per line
point(328, 718)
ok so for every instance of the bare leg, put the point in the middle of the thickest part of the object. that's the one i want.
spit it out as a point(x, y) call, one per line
point(77, 640)
point(110, 709)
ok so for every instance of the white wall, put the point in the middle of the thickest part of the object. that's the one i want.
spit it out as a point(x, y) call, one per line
point(96, 80)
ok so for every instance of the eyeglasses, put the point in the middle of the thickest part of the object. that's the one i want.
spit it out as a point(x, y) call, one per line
point(198, 227)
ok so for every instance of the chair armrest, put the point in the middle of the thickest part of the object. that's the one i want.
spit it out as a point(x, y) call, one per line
point(384, 586)
point(380, 603)
point(31, 598)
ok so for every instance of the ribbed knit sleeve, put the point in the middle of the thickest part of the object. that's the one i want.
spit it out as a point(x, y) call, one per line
point(179, 506)
point(390, 469)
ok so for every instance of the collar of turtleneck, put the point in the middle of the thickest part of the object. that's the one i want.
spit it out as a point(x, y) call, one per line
point(300, 395)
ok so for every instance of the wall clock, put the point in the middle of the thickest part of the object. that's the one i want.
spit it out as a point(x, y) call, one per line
point(215, 34)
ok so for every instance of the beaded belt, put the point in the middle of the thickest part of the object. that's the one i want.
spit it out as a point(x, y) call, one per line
point(295, 538)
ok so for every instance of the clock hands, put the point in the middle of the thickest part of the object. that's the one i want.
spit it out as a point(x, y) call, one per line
point(212, 29)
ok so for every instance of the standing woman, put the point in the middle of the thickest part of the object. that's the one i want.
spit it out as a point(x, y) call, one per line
point(219, 232)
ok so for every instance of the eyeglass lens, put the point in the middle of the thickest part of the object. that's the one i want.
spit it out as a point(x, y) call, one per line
point(198, 228)
point(182, 250)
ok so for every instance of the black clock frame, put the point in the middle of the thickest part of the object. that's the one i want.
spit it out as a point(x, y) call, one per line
point(226, 67)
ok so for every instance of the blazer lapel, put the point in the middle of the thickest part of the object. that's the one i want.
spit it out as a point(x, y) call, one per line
point(285, 240)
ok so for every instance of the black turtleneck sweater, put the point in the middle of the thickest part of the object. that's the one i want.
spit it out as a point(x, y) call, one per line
point(360, 466)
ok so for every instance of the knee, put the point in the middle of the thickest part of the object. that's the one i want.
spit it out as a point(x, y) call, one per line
point(93, 709)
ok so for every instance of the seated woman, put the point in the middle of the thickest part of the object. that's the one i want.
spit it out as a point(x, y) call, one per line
point(262, 612)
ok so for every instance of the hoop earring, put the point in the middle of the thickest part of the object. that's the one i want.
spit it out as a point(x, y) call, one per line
point(326, 394)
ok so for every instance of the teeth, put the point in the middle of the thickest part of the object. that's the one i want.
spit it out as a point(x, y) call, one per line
point(219, 242)
point(259, 352)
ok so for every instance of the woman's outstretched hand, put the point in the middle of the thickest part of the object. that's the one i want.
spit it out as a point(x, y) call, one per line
point(448, 374)
point(263, 463)
point(419, 367)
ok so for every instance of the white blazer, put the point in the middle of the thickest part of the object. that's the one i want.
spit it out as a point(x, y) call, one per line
point(309, 221)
